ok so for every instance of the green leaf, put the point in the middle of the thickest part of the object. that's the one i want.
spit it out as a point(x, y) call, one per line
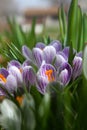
point(31, 37)
point(79, 30)
point(72, 24)
point(43, 111)
point(84, 28)
point(62, 24)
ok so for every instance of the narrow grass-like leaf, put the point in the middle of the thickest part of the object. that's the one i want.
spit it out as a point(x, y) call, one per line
point(79, 30)
point(84, 28)
point(62, 24)
point(31, 37)
point(72, 23)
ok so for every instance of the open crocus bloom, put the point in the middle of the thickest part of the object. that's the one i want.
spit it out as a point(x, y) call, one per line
point(47, 74)
point(7, 80)
point(24, 73)
point(42, 52)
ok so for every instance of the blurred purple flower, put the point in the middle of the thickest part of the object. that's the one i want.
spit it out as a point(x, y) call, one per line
point(8, 81)
point(64, 74)
point(45, 75)
point(77, 67)
point(29, 76)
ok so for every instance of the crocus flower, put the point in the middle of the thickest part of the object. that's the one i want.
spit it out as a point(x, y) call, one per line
point(38, 56)
point(60, 59)
point(24, 73)
point(40, 45)
point(65, 73)
point(29, 76)
point(7, 80)
point(27, 53)
point(57, 45)
point(45, 75)
point(17, 74)
point(77, 66)
point(14, 63)
point(42, 52)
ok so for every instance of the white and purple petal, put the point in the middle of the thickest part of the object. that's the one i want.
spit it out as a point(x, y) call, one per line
point(49, 53)
point(65, 74)
point(57, 45)
point(26, 63)
point(41, 84)
point(17, 74)
point(66, 51)
point(14, 63)
point(46, 68)
point(59, 60)
point(40, 45)
point(11, 84)
point(38, 56)
point(77, 67)
point(27, 53)
point(29, 76)
point(4, 72)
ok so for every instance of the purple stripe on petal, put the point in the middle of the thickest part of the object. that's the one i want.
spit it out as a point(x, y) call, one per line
point(63, 55)
point(26, 52)
point(65, 73)
point(42, 83)
point(4, 72)
point(29, 76)
point(77, 67)
point(11, 84)
point(40, 45)
point(79, 54)
point(57, 45)
point(26, 63)
point(49, 54)
point(17, 74)
point(63, 77)
point(38, 56)
point(66, 51)
point(59, 61)
point(14, 63)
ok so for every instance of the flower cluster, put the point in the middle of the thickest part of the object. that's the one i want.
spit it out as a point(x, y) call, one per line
point(43, 65)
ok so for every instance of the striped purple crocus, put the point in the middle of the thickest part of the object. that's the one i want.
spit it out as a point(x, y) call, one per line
point(77, 66)
point(42, 52)
point(8, 81)
point(47, 74)
point(24, 73)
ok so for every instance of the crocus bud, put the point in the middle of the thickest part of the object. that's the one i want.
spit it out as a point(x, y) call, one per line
point(77, 67)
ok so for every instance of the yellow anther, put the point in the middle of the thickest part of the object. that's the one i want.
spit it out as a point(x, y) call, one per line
point(49, 74)
point(19, 99)
point(3, 78)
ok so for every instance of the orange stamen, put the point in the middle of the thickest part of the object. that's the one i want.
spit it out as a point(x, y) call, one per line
point(49, 75)
point(2, 78)
point(21, 70)
point(19, 99)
